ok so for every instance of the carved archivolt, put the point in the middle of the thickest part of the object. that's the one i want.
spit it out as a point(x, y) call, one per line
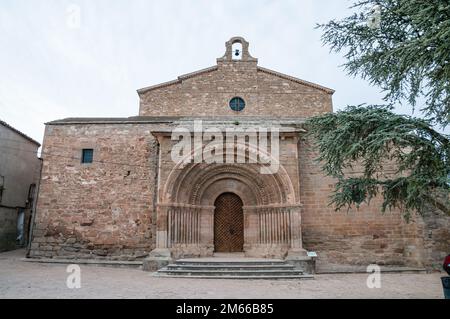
point(199, 183)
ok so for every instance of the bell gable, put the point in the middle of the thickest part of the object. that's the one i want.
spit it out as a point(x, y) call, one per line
point(212, 91)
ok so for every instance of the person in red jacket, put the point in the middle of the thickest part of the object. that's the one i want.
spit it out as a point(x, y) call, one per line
point(447, 264)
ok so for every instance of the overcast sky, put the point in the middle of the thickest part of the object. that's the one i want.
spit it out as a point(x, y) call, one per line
point(51, 67)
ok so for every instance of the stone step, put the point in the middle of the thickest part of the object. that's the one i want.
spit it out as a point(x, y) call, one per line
point(230, 263)
point(242, 277)
point(233, 272)
point(229, 267)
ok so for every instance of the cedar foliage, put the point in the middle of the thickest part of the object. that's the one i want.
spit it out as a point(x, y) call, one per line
point(400, 157)
point(403, 47)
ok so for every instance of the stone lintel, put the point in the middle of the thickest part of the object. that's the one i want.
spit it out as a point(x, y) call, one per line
point(182, 205)
point(268, 206)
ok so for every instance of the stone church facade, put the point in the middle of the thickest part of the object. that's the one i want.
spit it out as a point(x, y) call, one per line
point(110, 188)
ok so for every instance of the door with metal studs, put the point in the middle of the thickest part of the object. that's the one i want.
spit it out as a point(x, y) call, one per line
point(228, 223)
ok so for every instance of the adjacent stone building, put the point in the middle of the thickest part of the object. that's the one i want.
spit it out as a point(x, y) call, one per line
point(111, 188)
point(19, 175)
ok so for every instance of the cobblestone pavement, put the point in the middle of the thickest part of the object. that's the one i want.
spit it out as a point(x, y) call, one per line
point(19, 279)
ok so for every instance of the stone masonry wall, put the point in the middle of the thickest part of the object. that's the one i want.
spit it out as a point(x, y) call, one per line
point(99, 210)
point(209, 93)
point(105, 209)
point(363, 236)
point(436, 234)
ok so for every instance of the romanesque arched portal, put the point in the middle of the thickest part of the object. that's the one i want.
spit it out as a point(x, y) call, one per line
point(186, 207)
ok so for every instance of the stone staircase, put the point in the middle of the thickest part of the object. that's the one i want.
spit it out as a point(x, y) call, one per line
point(234, 268)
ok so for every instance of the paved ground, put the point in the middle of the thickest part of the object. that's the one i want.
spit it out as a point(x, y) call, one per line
point(19, 279)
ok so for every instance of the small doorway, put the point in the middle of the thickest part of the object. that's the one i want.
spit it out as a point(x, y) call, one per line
point(228, 224)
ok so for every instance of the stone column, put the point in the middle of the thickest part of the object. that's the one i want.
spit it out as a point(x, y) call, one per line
point(161, 227)
point(207, 228)
point(296, 228)
point(297, 256)
point(160, 256)
point(251, 228)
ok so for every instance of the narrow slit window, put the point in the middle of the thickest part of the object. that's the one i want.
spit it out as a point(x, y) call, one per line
point(87, 155)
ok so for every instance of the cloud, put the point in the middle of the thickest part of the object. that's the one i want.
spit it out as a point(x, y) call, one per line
point(50, 70)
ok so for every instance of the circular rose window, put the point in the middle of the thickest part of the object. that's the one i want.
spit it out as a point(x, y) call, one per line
point(237, 104)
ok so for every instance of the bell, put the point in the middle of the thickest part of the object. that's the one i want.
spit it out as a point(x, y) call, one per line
point(236, 52)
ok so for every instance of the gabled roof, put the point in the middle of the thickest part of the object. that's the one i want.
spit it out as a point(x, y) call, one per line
point(297, 80)
point(178, 80)
point(19, 132)
point(115, 120)
point(215, 68)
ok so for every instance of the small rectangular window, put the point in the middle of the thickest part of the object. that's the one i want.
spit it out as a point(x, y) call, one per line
point(87, 155)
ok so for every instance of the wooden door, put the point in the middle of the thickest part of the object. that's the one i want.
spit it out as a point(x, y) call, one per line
point(228, 223)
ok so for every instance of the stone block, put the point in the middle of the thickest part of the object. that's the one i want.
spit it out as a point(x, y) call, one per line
point(157, 259)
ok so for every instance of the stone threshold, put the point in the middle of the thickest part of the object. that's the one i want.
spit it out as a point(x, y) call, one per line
point(92, 262)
